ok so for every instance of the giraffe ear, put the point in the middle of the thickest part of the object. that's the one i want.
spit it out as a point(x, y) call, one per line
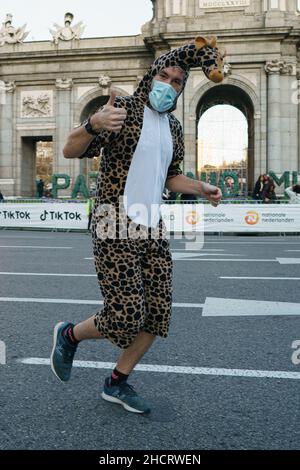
point(200, 42)
point(213, 41)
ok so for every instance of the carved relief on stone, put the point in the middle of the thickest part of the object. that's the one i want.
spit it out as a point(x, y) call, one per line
point(274, 66)
point(289, 69)
point(64, 83)
point(10, 87)
point(11, 35)
point(104, 81)
point(36, 104)
point(280, 66)
point(67, 32)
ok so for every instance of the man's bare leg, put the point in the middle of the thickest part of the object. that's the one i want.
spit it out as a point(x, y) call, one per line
point(87, 330)
point(130, 357)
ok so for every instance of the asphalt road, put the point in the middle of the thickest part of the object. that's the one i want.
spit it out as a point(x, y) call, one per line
point(205, 408)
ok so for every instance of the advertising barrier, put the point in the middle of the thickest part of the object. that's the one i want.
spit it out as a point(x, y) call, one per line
point(177, 217)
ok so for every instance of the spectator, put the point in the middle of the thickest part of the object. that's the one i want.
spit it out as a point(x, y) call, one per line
point(268, 193)
point(258, 188)
point(40, 188)
point(1, 197)
point(294, 194)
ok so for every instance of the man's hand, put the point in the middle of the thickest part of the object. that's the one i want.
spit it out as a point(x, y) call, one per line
point(212, 193)
point(109, 118)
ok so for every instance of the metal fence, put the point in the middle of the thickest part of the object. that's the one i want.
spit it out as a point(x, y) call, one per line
point(225, 200)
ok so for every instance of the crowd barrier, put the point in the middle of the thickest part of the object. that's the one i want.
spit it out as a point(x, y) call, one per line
point(188, 217)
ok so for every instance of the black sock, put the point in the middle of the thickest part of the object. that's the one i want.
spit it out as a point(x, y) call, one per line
point(117, 377)
point(68, 334)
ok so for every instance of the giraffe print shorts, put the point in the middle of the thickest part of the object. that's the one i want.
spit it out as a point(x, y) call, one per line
point(135, 278)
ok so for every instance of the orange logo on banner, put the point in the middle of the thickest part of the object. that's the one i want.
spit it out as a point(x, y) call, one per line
point(252, 218)
point(192, 218)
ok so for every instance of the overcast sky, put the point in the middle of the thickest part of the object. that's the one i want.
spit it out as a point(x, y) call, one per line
point(101, 17)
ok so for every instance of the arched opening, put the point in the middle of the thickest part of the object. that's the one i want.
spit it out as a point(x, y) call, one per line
point(92, 106)
point(225, 139)
point(91, 165)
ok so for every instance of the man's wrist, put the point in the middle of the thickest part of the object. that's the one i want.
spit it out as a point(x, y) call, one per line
point(200, 187)
point(95, 127)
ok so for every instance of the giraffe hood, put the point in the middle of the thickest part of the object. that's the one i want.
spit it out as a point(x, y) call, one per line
point(202, 53)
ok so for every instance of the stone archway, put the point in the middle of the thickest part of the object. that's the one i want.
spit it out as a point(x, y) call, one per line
point(232, 95)
point(92, 106)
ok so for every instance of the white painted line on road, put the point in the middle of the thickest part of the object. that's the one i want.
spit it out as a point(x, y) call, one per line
point(81, 301)
point(259, 374)
point(249, 242)
point(228, 259)
point(288, 260)
point(293, 250)
point(36, 247)
point(204, 249)
point(184, 255)
point(262, 278)
point(51, 301)
point(29, 237)
point(46, 274)
point(219, 307)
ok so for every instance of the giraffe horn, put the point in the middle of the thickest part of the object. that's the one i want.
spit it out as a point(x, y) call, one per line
point(200, 42)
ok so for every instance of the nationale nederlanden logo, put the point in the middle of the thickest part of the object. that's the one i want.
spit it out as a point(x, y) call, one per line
point(192, 218)
point(252, 218)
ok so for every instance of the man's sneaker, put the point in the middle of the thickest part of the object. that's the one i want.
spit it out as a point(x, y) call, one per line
point(62, 353)
point(125, 395)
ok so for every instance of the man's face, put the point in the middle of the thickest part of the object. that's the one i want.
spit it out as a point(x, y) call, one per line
point(173, 76)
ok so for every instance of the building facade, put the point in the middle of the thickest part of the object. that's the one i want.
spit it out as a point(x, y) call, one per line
point(48, 87)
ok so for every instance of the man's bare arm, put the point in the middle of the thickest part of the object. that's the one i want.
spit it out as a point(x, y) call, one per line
point(109, 119)
point(183, 184)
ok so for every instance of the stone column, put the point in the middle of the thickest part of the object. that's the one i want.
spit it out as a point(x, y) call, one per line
point(7, 163)
point(273, 70)
point(63, 128)
point(289, 118)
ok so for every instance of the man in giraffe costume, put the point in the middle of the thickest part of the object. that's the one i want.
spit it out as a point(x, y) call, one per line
point(142, 148)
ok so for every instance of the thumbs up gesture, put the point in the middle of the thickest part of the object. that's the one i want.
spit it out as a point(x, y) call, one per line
point(109, 118)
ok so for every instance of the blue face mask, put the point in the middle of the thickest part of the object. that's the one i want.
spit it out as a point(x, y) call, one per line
point(162, 96)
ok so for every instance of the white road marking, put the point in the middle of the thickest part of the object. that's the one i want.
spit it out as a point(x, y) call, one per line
point(81, 301)
point(293, 250)
point(38, 247)
point(51, 301)
point(262, 278)
point(260, 374)
point(229, 259)
point(205, 249)
point(250, 242)
point(219, 307)
point(288, 260)
point(184, 255)
point(46, 274)
point(29, 237)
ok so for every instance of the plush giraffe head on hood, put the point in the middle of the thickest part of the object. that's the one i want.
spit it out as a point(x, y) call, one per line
point(203, 53)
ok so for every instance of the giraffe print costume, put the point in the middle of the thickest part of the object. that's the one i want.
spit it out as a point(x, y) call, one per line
point(135, 274)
